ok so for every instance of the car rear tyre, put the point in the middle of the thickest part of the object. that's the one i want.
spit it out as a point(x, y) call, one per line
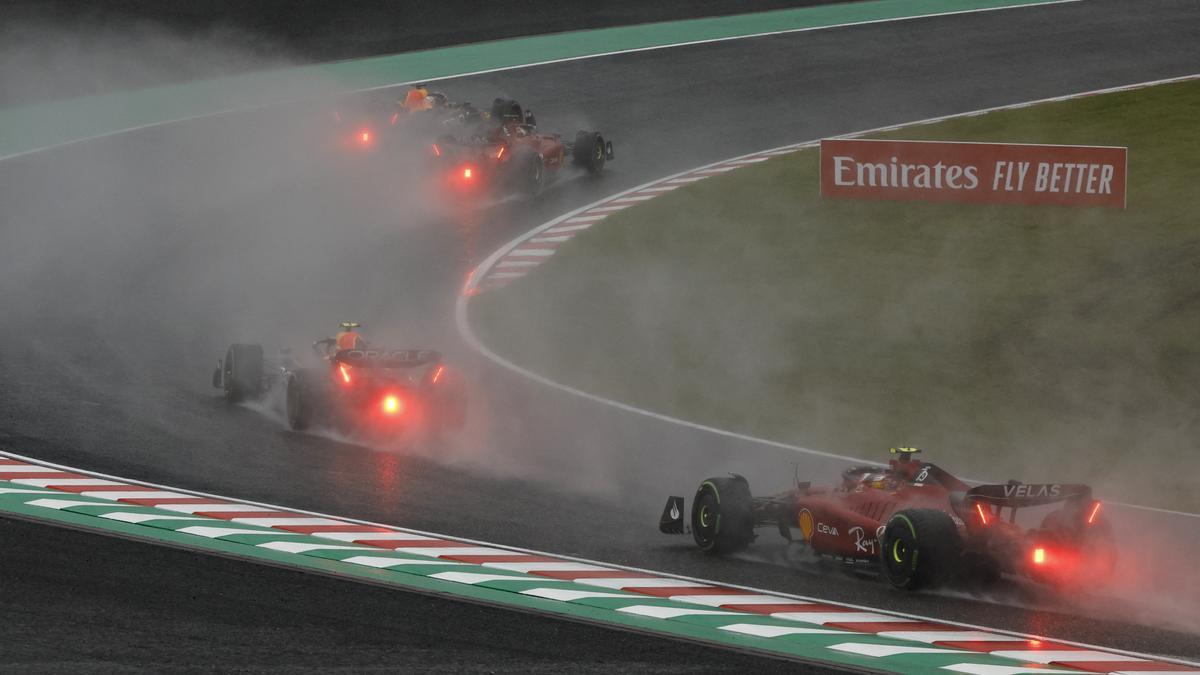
point(243, 372)
point(589, 151)
point(723, 515)
point(921, 549)
point(529, 172)
point(300, 402)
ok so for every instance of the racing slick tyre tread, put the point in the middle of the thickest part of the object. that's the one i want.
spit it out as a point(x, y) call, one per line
point(529, 172)
point(589, 152)
point(723, 515)
point(921, 549)
point(301, 404)
point(243, 372)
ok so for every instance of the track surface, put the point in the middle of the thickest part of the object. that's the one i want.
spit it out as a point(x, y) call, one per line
point(141, 256)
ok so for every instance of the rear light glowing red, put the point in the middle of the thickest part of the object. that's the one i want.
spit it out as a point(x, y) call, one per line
point(1095, 512)
point(392, 405)
point(982, 514)
point(1039, 556)
point(345, 370)
point(467, 173)
point(365, 137)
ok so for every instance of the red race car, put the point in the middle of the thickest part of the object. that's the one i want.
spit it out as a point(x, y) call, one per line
point(921, 525)
point(503, 151)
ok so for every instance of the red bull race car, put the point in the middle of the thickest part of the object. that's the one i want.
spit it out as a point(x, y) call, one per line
point(354, 388)
point(919, 524)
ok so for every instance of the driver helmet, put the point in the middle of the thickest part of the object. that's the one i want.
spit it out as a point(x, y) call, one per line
point(347, 338)
point(417, 98)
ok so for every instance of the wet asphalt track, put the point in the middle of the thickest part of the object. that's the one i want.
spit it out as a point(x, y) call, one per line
point(192, 240)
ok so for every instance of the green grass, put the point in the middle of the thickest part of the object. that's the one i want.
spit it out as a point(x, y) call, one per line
point(1009, 341)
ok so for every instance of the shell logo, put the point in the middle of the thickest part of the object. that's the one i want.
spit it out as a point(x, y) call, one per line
point(806, 524)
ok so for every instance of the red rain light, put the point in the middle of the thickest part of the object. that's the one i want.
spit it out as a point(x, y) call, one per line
point(467, 173)
point(1095, 512)
point(392, 405)
point(1039, 556)
point(365, 137)
point(345, 370)
point(982, 514)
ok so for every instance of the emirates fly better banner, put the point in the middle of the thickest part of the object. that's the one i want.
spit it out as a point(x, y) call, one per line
point(979, 173)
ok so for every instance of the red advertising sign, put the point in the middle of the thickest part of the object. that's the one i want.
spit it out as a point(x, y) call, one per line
point(978, 173)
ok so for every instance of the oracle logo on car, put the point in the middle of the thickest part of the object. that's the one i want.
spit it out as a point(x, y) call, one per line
point(981, 173)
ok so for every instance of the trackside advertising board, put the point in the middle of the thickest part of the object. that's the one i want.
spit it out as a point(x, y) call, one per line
point(976, 173)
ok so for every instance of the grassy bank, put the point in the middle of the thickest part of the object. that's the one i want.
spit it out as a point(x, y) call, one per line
point(1039, 342)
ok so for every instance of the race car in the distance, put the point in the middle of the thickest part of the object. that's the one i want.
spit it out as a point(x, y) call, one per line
point(381, 393)
point(503, 151)
point(921, 525)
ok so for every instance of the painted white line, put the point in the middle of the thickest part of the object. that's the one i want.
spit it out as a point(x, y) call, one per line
point(215, 507)
point(839, 617)
point(215, 532)
point(516, 263)
point(770, 631)
point(555, 240)
point(535, 252)
point(298, 547)
point(639, 582)
point(438, 551)
point(475, 578)
point(130, 517)
point(60, 504)
point(585, 219)
point(932, 636)
point(544, 566)
point(285, 522)
point(380, 561)
point(983, 669)
point(718, 600)
point(22, 491)
point(661, 188)
point(24, 468)
point(373, 536)
point(661, 612)
point(692, 581)
point(633, 199)
point(877, 650)
point(674, 45)
point(569, 595)
point(1049, 656)
point(506, 275)
point(570, 228)
point(65, 482)
point(686, 179)
point(114, 495)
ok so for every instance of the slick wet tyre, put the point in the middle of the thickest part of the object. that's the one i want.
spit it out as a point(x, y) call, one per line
point(921, 549)
point(529, 172)
point(300, 403)
point(723, 515)
point(243, 372)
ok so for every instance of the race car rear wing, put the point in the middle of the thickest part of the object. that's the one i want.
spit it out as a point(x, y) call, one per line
point(1020, 495)
point(387, 358)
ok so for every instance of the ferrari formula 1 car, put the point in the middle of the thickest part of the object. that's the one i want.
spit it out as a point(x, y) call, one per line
point(379, 392)
point(504, 151)
point(921, 525)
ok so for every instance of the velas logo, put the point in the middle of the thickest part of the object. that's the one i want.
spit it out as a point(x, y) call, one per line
point(982, 173)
